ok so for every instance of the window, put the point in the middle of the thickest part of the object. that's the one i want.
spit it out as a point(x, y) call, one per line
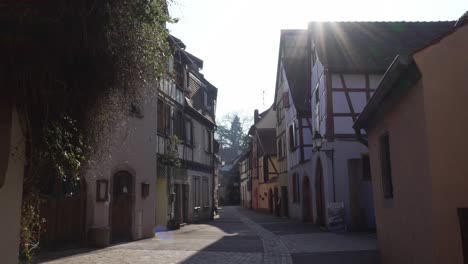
point(205, 98)
point(170, 64)
point(196, 191)
point(292, 137)
point(260, 169)
point(207, 137)
point(385, 164)
point(280, 148)
point(279, 112)
point(286, 99)
point(179, 75)
point(366, 171)
point(164, 118)
point(179, 125)
point(295, 188)
point(206, 192)
point(188, 132)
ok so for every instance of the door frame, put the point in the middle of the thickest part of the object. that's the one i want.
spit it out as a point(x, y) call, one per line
point(132, 200)
point(306, 200)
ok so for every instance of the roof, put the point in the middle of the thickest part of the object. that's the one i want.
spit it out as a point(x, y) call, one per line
point(267, 139)
point(176, 41)
point(296, 62)
point(195, 59)
point(401, 75)
point(202, 114)
point(294, 55)
point(371, 46)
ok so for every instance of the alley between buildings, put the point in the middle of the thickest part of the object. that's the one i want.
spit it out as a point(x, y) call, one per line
point(236, 236)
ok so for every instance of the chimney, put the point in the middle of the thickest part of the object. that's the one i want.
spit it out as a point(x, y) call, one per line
point(255, 116)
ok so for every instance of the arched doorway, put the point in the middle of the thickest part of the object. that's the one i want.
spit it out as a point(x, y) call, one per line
point(306, 199)
point(122, 203)
point(270, 201)
point(320, 194)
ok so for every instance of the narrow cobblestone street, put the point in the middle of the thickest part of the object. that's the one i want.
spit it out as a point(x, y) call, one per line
point(237, 236)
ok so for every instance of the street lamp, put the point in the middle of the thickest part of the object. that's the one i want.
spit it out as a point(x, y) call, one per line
point(317, 140)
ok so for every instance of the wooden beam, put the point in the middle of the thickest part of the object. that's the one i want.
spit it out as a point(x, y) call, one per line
point(330, 125)
point(301, 140)
point(348, 98)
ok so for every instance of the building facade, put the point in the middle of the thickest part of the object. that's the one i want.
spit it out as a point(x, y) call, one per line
point(415, 127)
point(188, 113)
point(245, 171)
point(268, 194)
point(344, 77)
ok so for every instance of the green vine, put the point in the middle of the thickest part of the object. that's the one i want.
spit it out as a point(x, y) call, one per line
point(74, 68)
point(31, 227)
point(64, 149)
point(171, 157)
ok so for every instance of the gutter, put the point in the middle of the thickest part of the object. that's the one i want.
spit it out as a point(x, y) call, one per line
point(389, 88)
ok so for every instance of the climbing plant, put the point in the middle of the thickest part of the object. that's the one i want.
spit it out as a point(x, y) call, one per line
point(171, 157)
point(73, 69)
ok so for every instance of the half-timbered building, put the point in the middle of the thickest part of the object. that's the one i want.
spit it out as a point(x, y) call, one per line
point(348, 60)
point(186, 110)
point(266, 188)
point(294, 84)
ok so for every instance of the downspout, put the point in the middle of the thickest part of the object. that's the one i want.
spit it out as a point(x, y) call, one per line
point(333, 174)
point(213, 178)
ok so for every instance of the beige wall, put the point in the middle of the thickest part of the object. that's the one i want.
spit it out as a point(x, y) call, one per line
point(10, 196)
point(132, 148)
point(262, 189)
point(161, 202)
point(445, 79)
point(404, 227)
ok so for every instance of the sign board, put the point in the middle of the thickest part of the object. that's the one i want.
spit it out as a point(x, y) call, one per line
point(336, 216)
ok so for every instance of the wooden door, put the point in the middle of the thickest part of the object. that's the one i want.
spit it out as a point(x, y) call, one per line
point(65, 215)
point(357, 213)
point(284, 200)
point(320, 195)
point(306, 199)
point(122, 203)
point(185, 189)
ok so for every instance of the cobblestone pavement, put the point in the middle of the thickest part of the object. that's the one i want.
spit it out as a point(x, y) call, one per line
point(239, 236)
point(306, 243)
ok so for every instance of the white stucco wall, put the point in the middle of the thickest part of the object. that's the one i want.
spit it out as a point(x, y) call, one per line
point(132, 149)
point(342, 152)
point(11, 194)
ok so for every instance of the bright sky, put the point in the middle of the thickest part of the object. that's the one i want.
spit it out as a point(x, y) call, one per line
point(238, 40)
